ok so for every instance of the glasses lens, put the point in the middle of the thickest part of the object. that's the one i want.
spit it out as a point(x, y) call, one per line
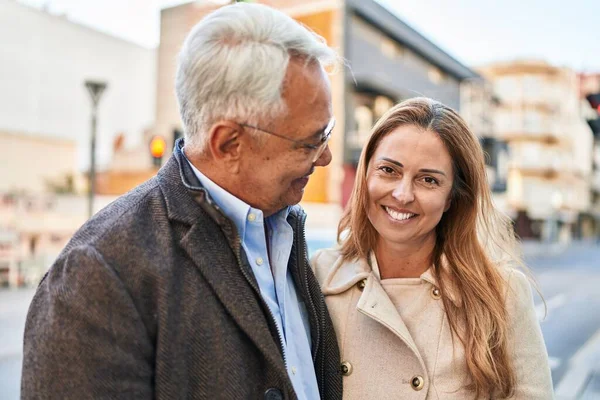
point(321, 148)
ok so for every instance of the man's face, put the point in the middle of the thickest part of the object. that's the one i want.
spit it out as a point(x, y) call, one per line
point(275, 171)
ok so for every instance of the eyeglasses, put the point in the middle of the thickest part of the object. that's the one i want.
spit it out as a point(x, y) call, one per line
point(317, 148)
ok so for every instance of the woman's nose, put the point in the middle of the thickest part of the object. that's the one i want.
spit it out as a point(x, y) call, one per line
point(403, 192)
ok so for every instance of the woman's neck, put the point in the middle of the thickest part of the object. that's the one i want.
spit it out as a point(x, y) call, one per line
point(406, 260)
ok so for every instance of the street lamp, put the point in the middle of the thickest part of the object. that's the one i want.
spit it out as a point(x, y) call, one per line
point(557, 202)
point(95, 89)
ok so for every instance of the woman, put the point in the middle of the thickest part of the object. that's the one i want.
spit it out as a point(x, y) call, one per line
point(423, 290)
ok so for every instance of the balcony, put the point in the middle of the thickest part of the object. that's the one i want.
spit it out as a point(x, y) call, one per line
point(541, 159)
point(541, 197)
point(531, 125)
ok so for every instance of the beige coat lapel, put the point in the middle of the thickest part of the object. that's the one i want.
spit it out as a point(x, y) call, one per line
point(375, 303)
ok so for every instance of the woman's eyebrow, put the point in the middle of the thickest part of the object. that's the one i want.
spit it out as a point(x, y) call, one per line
point(427, 170)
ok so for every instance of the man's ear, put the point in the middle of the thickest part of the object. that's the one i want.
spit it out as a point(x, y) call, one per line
point(224, 143)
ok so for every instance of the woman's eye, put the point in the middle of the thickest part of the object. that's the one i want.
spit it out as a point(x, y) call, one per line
point(387, 170)
point(430, 181)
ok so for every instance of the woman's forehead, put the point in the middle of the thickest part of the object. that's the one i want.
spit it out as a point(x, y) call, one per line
point(413, 146)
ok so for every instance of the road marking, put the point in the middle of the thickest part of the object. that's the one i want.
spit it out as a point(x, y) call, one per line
point(581, 367)
point(543, 310)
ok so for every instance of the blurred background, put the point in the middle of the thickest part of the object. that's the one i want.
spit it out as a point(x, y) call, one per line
point(87, 112)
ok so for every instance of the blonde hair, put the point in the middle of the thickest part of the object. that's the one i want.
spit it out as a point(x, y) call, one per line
point(472, 237)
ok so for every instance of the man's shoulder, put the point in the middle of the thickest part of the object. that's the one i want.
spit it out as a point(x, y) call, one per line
point(131, 211)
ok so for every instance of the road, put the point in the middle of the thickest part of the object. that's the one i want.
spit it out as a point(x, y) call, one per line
point(569, 280)
point(13, 309)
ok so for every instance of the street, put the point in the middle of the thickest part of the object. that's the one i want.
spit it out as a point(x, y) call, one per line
point(568, 278)
point(13, 310)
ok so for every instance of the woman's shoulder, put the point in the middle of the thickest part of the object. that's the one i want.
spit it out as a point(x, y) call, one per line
point(517, 285)
point(323, 261)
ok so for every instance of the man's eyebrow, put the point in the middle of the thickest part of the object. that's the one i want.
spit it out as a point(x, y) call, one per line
point(317, 134)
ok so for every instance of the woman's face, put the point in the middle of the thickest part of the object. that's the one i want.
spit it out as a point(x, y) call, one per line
point(409, 180)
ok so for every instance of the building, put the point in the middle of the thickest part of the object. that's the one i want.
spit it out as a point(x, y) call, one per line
point(45, 61)
point(590, 85)
point(45, 128)
point(34, 228)
point(549, 147)
point(389, 61)
point(37, 164)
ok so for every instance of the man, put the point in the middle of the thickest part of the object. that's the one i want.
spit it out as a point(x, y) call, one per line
point(196, 284)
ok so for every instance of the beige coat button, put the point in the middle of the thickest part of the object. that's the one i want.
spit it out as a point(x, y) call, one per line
point(361, 284)
point(346, 368)
point(435, 293)
point(417, 382)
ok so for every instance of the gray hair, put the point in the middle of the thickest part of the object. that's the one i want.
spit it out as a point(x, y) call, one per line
point(233, 63)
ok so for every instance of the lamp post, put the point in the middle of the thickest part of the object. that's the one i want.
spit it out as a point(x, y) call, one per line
point(95, 89)
point(557, 202)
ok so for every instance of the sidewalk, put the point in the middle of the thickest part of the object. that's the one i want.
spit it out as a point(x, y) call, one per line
point(537, 249)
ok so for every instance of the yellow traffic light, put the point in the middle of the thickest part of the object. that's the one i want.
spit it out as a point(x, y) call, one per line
point(158, 145)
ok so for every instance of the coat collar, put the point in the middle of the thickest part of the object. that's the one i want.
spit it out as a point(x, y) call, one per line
point(344, 275)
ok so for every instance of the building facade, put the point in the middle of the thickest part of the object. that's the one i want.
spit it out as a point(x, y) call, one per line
point(45, 60)
point(590, 85)
point(549, 146)
point(45, 113)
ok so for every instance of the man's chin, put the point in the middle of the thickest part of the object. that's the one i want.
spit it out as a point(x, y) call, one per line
point(299, 184)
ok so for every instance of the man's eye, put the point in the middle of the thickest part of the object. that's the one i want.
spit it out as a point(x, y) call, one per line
point(320, 140)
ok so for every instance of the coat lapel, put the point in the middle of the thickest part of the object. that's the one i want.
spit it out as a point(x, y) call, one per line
point(376, 304)
point(206, 235)
point(223, 274)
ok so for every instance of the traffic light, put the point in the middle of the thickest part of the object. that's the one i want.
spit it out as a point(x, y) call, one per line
point(594, 123)
point(158, 145)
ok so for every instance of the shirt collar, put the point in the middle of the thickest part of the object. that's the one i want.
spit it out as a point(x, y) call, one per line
point(234, 208)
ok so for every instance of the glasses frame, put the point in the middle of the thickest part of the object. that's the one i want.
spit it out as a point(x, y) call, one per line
point(320, 147)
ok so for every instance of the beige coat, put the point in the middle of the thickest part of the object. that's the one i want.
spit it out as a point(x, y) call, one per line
point(385, 356)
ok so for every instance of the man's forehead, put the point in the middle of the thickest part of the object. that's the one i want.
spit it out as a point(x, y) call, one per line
point(308, 82)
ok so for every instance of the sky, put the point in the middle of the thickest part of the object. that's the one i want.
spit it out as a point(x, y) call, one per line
point(475, 32)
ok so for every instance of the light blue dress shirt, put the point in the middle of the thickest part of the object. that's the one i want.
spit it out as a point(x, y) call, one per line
point(274, 281)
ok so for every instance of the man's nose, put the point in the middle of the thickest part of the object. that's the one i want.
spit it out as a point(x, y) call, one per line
point(325, 157)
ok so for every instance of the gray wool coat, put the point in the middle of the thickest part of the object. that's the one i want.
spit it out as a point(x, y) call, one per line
point(154, 298)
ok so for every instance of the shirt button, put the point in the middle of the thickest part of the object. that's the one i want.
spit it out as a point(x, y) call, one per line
point(251, 217)
point(259, 261)
point(294, 370)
